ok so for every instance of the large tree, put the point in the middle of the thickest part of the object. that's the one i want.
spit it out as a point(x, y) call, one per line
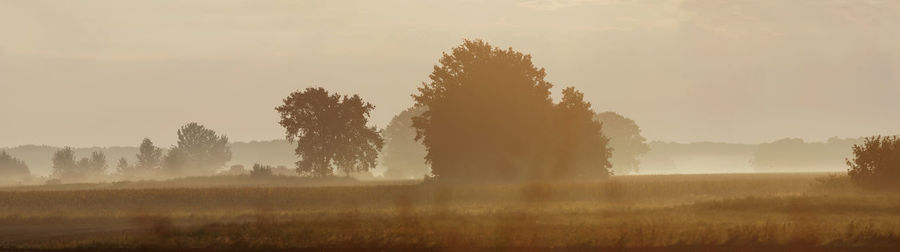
point(12, 168)
point(626, 141)
point(403, 156)
point(199, 151)
point(490, 116)
point(331, 132)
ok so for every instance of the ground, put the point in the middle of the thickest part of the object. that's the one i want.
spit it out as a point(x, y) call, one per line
point(649, 212)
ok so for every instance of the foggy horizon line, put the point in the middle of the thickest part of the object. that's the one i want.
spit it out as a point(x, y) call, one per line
point(648, 141)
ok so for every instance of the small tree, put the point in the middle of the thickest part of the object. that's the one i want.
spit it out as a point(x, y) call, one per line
point(876, 163)
point(96, 164)
point(123, 167)
point(11, 167)
point(64, 165)
point(626, 141)
point(149, 160)
point(199, 151)
point(149, 156)
point(331, 132)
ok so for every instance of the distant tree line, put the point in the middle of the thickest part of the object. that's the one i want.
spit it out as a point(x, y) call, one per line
point(66, 167)
point(797, 155)
point(199, 151)
point(12, 168)
point(484, 114)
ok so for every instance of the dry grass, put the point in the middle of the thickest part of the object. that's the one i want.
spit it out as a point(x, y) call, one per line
point(761, 211)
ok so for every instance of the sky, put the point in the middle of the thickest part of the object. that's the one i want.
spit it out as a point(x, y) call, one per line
point(109, 73)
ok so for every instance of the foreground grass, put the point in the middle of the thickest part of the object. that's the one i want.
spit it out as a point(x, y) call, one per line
point(763, 211)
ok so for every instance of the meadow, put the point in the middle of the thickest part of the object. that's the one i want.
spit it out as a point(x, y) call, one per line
point(779, 211)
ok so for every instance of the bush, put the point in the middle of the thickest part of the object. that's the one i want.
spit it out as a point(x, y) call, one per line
point(236, 170)
point(261, 171)
point(876, 163)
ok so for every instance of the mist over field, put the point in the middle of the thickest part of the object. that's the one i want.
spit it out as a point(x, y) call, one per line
point(461, 125)
point(793, 155)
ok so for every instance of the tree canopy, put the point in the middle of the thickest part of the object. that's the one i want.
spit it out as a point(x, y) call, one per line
point(199, 150)
point(876, 163)
point(149, 156)
point(149, 161)
point(626, 141)
point(490, 116)
point(64, 164)
point(331, 132)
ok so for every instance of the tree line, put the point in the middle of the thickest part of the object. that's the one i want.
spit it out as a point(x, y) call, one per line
point(199, 151)
point(484, 114)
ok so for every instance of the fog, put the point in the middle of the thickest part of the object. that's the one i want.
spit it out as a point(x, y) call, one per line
point(108, 73)
point(596, 125)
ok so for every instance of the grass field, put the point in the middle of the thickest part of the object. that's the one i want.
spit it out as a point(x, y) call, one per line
point(658, 212)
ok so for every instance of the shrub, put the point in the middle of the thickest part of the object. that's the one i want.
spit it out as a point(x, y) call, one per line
point(876, 163)
point(236, 170)
point(260, 171)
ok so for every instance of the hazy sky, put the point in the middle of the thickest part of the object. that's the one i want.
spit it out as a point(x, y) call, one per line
point(94, 73)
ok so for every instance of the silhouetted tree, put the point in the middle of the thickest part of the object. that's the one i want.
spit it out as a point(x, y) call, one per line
point(403, 156)
point(876, 163)
point(12, 168)
point(625, 140)
point(96, 164)
point(490, 116)
point(64, 165)
point(123, 167)
point(331, 132)
point(149, 156)
point(199, 151)
point(583, 150)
